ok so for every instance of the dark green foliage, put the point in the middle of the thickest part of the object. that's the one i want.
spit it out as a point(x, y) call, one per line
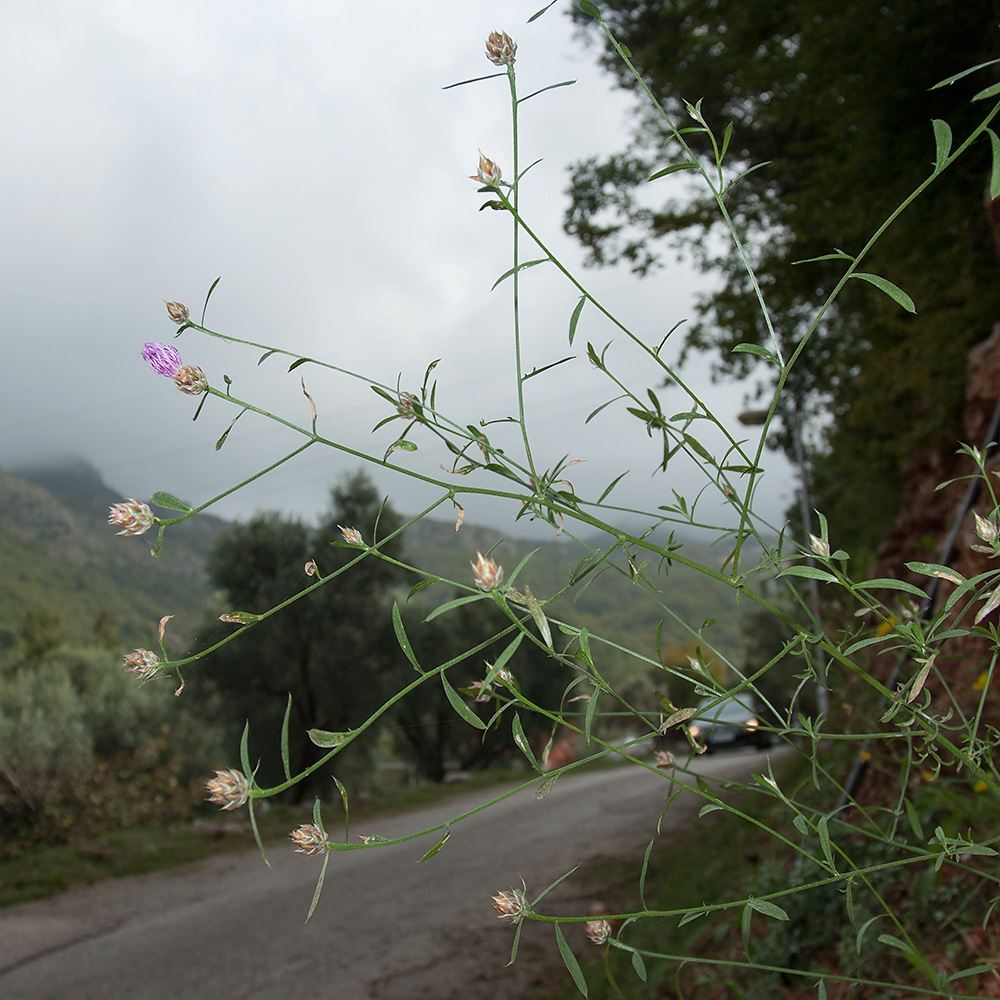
point(332, 651)
point(838, 102)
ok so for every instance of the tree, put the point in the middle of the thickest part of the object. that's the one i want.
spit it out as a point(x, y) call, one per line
point(837, 104)
point(331, 652)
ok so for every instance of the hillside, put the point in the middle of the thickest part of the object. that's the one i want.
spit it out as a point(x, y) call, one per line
point(59, 556)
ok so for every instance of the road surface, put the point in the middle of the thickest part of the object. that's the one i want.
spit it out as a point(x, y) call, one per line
point(229, 928)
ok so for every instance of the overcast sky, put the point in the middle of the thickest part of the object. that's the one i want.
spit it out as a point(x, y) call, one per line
point(307, 153)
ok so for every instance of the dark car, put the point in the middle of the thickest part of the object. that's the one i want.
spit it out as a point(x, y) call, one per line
point(727, 724)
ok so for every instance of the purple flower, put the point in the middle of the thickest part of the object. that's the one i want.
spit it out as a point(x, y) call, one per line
point(162, 358)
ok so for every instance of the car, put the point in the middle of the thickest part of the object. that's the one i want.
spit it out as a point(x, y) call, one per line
point(720, 724)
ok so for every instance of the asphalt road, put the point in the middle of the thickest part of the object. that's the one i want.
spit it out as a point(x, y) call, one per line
point(230, 928)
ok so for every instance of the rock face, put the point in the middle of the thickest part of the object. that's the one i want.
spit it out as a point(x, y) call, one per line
point(932, 528)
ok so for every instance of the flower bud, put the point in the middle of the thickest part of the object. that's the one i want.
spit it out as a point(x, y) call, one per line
point(228, 789)
point(598, 931)
point(133, 517)
point(511, 905)
point(191, 379)
point(176, 311)
point(500, 48)
point(985, 528)
point(162, 358)
point(819, 547)
point(486, 573)
point(488, 173)
point(351, 535)
point(308, 839)
point(142, 663)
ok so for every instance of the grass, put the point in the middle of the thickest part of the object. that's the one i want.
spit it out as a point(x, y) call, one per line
point(48, 870)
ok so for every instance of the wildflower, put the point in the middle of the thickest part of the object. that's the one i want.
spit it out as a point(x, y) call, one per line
point(162, 358)
point(500, 48)
point(177, 311)
point(488, 174)
point(228, 789)
point(133, 517)
point(351, 535)
point(191, 379)
point(820, 548)
point(142, 663)
point(511, 905)
point(980, 786)
point(986, 529)
point(598, 931)
point(486, 573)
point(979, 684)
point(308, 839)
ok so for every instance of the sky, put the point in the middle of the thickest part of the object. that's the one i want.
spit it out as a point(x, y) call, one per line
point(308, 154)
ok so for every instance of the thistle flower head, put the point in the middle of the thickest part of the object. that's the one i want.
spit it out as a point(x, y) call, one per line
point(598, 931)
point(500, 48)
point(142, 663)
point(486, 573)
point(351, 535)
point(510, 905)
point(228, 789)
point(488, 173)
point(132, 516)
point(309, 839)
point(190, 379)
point(177, 311)
point(162, 358)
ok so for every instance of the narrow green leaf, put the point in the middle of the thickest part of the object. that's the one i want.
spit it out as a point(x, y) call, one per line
point(768, 908)
point(170, 502)
point(460, 706)
point(726, 138)
point(965, 73)
point(538, 13)
point(295, 364)
point(672, 169)
point(761, 352)
point(942, 142)
point(693, 915)
point(449, 605)
point(988, 92)
point(976, 970)
point(319, 886)
point(708, 808)
point(614, 483)
point(699, 449)
point(639, 965)
point(824, 842)
point(995, 169)
point(887, 583)
point(604, 406)
point(590, 9)
point(575, 317)
point(570, 961)
point(809, 572)
point(322, 738)
point(401, 638)
point(545, 368)
point(437, 847)
point(893, 291)
point(265, 356)
point(914, 820)
point(839, 255)
point(745, 919)
point(284, 740)
point(861, 931)
point(520, 267)
point(522, 741)
point(225, 433)
point(800, 824)
point(204, 308)
point(642, 874)
point(589, 717)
